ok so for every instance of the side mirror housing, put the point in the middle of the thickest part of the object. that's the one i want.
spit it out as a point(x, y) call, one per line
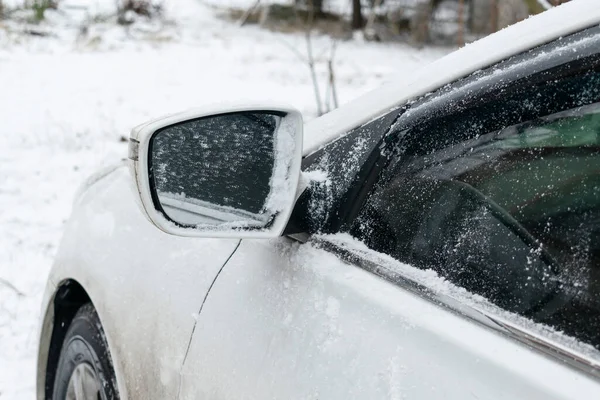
point(219, 171)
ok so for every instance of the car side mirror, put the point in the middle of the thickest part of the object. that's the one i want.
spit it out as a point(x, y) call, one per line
point(219, 172)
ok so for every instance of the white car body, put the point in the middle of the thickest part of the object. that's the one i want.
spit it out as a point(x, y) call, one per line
point(291, 320)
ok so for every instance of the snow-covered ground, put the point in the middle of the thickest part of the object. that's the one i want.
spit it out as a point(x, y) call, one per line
point(68, 99)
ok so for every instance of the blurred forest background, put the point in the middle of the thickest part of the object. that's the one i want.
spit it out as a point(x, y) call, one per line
point(419, 22)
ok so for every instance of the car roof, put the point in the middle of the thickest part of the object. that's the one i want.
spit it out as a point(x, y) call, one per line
point(525, 35)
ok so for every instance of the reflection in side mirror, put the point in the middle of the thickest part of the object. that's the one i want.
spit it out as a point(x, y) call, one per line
point(221, 175)
point(216, 170)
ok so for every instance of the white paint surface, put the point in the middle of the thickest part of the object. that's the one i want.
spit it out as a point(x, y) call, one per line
point(291, 321)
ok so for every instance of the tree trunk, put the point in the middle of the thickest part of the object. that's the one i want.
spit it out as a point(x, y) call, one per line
point(494, 16)
point(317, 7)
point(460, 39)
point(357, 18)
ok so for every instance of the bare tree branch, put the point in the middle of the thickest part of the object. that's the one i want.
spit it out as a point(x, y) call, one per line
point(311, 60)
point(311, 66)
point(9, 285)
point(323, 104)
point(545, 4)
point(292, 49)
point(244, 18)
point(332, 75)
point(369, 30)
point(460, 39)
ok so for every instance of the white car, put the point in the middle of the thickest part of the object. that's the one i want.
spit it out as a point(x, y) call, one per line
point(438, 238)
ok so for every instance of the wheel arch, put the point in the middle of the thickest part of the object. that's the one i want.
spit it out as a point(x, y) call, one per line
point(62, 306)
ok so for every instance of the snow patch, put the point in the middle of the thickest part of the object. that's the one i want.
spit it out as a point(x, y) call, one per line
point(319, 176)
point(283, 185)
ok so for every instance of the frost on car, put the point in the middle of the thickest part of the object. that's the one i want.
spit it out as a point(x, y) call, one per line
point(434, 239)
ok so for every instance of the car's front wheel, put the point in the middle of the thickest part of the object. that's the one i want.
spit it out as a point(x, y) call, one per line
point(85, 370)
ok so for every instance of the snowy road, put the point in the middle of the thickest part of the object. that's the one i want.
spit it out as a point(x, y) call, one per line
point(64, 106)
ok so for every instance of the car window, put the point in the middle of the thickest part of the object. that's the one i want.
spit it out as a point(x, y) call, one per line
point(499, 193)
point(337, 170)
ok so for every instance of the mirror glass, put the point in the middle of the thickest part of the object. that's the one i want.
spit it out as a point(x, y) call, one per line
point(216, 170)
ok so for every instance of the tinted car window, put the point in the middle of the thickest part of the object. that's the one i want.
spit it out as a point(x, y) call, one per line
point(500, 194)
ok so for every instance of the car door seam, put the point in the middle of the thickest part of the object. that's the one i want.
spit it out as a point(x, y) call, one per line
point(189, 345)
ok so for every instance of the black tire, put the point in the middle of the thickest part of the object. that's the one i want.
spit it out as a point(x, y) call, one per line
point(85, 349)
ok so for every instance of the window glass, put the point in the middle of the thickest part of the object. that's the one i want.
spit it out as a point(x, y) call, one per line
point(501, 196)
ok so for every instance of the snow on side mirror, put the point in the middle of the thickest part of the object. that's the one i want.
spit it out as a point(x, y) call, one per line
point(226, 172)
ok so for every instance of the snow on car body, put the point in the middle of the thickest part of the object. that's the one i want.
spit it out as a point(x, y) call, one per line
point(190, 317)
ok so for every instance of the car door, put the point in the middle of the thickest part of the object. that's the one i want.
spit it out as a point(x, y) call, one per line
point(465, 265)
